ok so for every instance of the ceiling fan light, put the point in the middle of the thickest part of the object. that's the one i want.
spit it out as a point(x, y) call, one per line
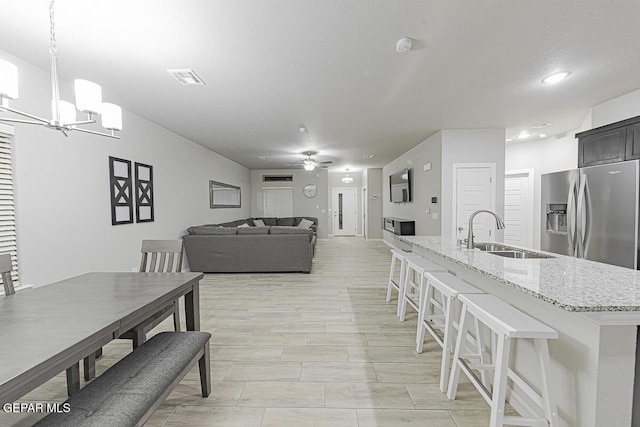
point(8, 80)
point(309, 166)
point(88, 96)
point(111, 116)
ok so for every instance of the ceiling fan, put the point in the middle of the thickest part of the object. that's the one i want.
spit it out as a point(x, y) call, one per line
point(310, 164)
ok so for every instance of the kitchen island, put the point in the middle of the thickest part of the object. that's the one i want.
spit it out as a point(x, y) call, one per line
point(594, 307)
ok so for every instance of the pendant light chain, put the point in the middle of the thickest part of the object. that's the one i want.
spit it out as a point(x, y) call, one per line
point(52, 30)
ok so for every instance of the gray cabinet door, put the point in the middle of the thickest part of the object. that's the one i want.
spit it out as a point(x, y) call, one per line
point(603, 147)
point(633, 142)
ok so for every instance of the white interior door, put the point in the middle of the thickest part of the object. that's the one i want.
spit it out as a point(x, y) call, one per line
point(277, 202)
point(474, 189)
point(518, 208)
point(344, 211)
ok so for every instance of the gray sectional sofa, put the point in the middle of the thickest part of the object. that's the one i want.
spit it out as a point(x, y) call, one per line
point(281, 245)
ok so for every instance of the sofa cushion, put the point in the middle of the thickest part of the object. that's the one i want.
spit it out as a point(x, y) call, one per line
point(205, 229)
point(258, 223)
point(269, 221)
point(286, 222)
point(305, 223)
point(244, 225)
point(253, 230)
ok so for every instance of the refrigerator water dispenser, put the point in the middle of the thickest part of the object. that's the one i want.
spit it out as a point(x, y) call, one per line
point(557, 218)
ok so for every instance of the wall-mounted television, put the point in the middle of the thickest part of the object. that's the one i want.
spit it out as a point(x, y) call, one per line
point(400, 186)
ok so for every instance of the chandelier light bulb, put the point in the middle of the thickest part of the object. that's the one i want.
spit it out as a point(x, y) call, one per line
point(111, 116)
point(8, 80)
point(88, 96)
point(67, 112)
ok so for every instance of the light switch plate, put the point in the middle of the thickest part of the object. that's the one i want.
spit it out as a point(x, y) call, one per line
point(427, 211)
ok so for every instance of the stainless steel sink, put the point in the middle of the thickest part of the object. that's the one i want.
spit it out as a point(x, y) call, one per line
point(489, 247)
point(508, 251)
point(519, 254)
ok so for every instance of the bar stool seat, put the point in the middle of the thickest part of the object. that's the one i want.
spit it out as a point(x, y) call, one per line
point(507, 323)
point(414, 283)
point(398, 255)
point(439, 315)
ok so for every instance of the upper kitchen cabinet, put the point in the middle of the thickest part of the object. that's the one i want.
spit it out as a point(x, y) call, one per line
point(609, 144)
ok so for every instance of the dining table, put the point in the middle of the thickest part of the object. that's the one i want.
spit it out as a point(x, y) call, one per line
point(49, 329)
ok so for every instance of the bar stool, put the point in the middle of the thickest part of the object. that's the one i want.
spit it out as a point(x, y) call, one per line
point(437, 315)
point(507, 323)
point(412, 291)
point(397, 255)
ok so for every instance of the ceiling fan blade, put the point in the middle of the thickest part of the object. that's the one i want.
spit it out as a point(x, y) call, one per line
point(326, 162)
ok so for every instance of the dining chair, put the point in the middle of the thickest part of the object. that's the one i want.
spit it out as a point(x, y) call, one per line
point(158, 256)
point(5, 271)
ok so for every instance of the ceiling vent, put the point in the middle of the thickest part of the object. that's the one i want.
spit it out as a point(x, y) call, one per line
point(186, 77)
point(277, 178)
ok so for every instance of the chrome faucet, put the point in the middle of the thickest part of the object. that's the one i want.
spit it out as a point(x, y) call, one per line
point(499, 225)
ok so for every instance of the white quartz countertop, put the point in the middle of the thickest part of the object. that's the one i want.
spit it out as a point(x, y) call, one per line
point(566, 282)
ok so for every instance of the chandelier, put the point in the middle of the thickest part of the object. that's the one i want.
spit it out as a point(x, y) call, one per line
point(88, 98)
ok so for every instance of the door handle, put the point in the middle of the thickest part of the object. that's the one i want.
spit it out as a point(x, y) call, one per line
point(571, 220)
point(581, 220)
point(460, 228)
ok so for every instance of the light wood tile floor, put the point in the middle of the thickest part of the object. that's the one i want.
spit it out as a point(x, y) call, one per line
point(319, 349)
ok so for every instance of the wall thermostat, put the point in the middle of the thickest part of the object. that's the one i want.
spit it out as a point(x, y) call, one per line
point(434, 200)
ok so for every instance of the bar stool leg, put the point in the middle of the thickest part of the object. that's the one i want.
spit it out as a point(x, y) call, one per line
point(500, 381)
point(447, 350)
point(401, 297)
point(548, 397)
point(392, 272)
point(422, 310)
point(482, 353)
point(402, 278)
point(463, 329)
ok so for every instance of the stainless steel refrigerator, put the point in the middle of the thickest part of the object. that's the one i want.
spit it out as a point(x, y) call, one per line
point(592, 213)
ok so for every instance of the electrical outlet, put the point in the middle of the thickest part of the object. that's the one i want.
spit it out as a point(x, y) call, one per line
point(434, 215)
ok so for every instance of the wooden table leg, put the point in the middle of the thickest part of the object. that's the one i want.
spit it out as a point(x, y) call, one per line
point(73, 379)
point(192, 308)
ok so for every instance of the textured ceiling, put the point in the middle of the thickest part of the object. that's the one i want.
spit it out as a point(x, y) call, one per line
point(331, 65)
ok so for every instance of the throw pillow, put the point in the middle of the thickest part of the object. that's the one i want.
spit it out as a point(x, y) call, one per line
point(212, 230)
point(305, 223)
point(243, 225)
point(258, 223)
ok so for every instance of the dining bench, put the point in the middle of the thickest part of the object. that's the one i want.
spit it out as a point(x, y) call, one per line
point(130, 391)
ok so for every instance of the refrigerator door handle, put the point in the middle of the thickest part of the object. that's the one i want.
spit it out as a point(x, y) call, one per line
point(571, 218)
point(582, 218)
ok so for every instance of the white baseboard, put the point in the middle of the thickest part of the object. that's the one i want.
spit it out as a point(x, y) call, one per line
point(388, 244)
point(322, 240)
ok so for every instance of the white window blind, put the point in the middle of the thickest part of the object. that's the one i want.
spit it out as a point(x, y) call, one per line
point(8, 241)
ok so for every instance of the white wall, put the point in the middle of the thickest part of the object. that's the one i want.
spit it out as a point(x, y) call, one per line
point(372, 179)
point(544, 156)
point(424, 186)
point(335, 181)
point(62, 189)
point(616, 109)
point(302, 205)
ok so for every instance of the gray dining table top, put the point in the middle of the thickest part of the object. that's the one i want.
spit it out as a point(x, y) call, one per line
point(47, 324)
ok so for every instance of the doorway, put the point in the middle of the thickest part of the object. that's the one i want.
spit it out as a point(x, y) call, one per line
point(345, 211)
point(364, 213)
point(474, 188)
point(518, 207)
point(277, 201)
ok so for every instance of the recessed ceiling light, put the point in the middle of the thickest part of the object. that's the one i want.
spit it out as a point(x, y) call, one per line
point(524, 135)
point(368, 156)
point(186, 77)
point(303, 128)
point(403, 45)
point(541, 125)
point(264, 157)
point(556, 77)
point(543, 135)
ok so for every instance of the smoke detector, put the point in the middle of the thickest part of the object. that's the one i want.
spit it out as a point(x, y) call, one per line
point(403, 45)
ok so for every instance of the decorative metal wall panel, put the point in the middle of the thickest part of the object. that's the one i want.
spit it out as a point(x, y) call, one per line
point(144, 192)
point(121, 191)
